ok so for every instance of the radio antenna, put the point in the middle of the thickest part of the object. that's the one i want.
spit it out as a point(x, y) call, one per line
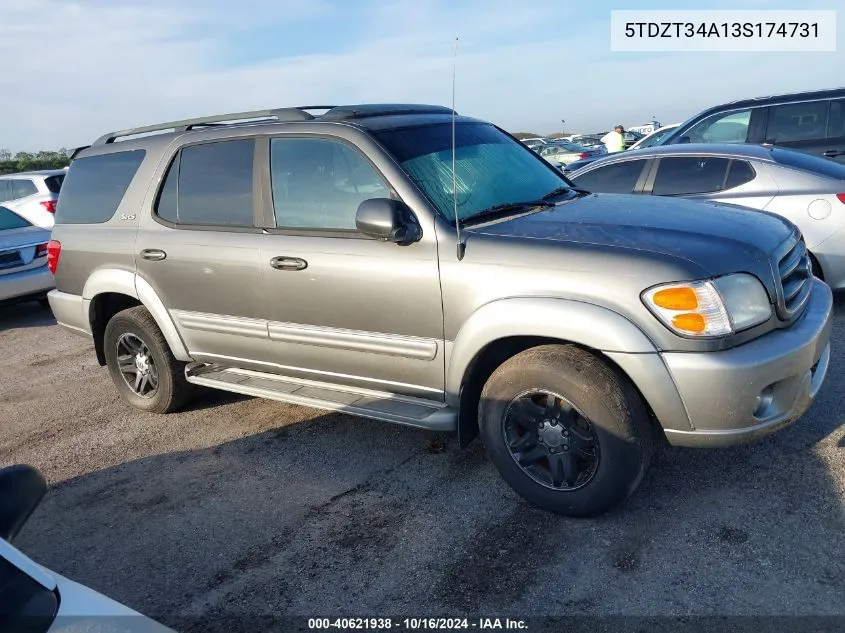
point(461, 246)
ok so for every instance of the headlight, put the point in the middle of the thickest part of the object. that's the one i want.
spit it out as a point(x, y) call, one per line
point(706, 309)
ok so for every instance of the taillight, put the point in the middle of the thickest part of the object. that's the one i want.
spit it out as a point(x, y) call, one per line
point(41, 250)
point(54, 249)
point(49, 205)
point(583, 156)
point(841, 197)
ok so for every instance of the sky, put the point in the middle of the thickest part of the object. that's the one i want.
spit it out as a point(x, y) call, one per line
point(75, 69)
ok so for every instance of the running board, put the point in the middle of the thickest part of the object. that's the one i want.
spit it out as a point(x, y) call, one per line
point(377, 405)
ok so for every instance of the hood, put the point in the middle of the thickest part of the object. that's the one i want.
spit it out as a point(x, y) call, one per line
point(719, 238)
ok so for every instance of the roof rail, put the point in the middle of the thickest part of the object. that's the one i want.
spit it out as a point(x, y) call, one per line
point(271, 115)
point(363, 111)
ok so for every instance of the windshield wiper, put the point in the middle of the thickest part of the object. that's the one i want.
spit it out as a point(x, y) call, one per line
point(504, 209)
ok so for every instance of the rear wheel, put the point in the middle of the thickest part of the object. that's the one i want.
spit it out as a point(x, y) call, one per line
point(141, 364)
point(566, 430)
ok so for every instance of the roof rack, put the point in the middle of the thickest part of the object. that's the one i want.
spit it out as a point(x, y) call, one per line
point(253, 116)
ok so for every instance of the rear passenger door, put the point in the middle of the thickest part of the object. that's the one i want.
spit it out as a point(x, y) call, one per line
point(199, 247)
point(626, 176)
point(735, 181)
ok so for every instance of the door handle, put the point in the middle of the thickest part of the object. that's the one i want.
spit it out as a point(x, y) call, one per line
point(832, 153)
point(288, 263)
point(153, 254)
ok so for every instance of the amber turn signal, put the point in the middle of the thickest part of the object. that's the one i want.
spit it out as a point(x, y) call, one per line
point(678, 298)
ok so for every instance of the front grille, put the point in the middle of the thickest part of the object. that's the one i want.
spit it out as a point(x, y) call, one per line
point(796, 278)
point(10, 259)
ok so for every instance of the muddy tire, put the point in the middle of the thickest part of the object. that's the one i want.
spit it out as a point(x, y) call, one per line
point(567, 430)
point(141, 364)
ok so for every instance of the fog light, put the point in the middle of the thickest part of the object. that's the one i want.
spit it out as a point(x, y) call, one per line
point(764, 402)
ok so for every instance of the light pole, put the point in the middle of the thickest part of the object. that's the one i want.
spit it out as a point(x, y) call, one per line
point(562, 127)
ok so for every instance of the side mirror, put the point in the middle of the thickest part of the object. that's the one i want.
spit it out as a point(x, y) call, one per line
point(387, 220)
point(21, 489)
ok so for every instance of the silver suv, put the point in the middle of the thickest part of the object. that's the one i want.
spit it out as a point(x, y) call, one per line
point(317, 259)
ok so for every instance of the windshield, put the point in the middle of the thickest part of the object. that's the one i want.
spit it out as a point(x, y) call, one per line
point(655, 138)
point(491, 169)
point(10, 220)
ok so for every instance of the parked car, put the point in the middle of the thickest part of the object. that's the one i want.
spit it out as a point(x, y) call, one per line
point(572, 331)
point(563, 153)
point(807, 190)
point(811, 122)
point(34, 599)
point(33, 194)
point(647, 141)
point(655, 137)
point(24, 274)
point(591, 141)
point(534, 143)
point(631, 138)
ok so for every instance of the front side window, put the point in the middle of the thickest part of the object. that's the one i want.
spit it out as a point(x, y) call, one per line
point(210, 184)
point(690, 174)
point(619, 177)
point(319, 183)
point(5, 190)
point(795, 122)
point(721, 128)
point(491, 168)
point(836, 120)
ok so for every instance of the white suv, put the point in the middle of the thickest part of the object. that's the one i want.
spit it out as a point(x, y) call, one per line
point(33, 194)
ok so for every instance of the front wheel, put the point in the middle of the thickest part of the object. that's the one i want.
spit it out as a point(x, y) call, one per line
point(141, 364)
point(566, 430)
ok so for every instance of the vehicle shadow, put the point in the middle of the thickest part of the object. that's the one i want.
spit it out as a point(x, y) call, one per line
point(24, 314)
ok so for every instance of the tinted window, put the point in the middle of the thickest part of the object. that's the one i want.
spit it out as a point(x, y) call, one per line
point(5, 190)
point(797, 122)
point(616, 178)
point(721, 128)
point(54, 183)
point(807, 162)
point(319, 183)
point(680, 176)
point(739, 173)
point(22, 188)
point(654, 139)
point(10, 220)
point(210, 184)
point(836, 120)
point(491, 168)
point(94, 187)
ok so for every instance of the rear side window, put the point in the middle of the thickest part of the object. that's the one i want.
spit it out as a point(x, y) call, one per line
point(21, 188)
point(836, 119)
point(210, 184)
point(687, 175)
point(797, 122)
point(615, 178)
point(95, 186)
point(739, 173)
point(10, 220)
point(54, 183)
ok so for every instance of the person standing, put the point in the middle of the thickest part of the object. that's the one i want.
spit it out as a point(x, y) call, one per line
point(614, 141)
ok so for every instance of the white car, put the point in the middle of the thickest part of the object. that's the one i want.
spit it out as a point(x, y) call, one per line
point(33, 598)
point(655, 137)
point(33, 194)
point(24, 254)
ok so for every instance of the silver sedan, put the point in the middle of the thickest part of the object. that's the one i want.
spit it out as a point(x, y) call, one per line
point(807, 190)
point(24, 274)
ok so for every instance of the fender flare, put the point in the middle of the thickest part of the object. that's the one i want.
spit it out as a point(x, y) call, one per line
point(126, 282)
point(585, 324)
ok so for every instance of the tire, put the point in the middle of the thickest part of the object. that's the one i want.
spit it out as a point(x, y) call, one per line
point(123, 332)
point(589, 423)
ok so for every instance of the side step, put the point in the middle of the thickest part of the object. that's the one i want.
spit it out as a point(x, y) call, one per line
point(377, 405)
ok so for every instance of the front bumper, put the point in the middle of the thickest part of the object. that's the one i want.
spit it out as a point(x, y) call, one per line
point(744, 393)
point(30, 282)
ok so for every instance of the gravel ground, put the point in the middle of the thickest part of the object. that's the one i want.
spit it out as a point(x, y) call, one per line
point(241, 506)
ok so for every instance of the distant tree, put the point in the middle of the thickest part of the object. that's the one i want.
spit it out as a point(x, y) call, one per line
point(27, 161)
point(522, 135)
